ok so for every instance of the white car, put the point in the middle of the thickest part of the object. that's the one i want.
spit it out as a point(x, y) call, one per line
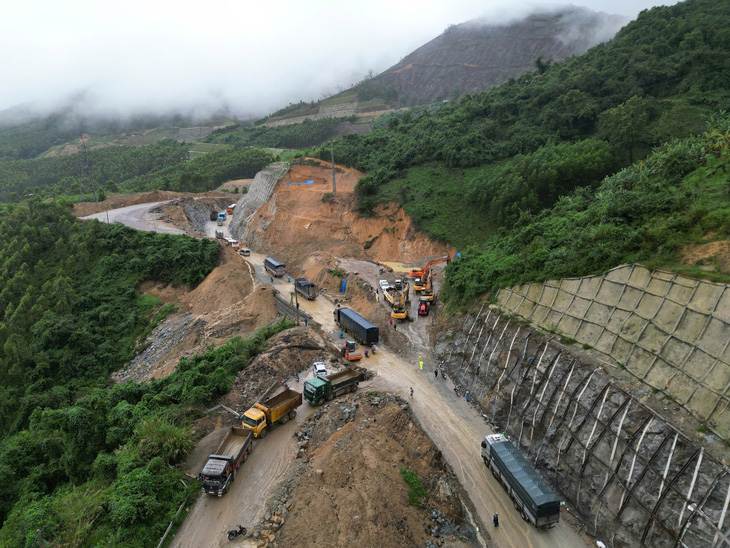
point(319, 369)
point(384, 284)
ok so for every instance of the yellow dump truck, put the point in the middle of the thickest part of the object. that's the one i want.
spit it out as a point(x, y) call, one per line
point(278, 409)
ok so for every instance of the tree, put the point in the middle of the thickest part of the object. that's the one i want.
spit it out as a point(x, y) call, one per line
point(626, 125)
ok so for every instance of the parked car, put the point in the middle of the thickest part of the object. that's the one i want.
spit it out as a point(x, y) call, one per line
point(319, 369)
point(246, 252)
point(384, 284)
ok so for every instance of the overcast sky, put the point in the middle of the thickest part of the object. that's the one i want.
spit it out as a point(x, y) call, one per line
point(153, 55)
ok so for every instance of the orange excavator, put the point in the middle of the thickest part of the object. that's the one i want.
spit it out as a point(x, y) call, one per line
point(422, 279)
point(416, 273)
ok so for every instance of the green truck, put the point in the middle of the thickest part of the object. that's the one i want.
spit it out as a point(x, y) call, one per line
point(319, 389)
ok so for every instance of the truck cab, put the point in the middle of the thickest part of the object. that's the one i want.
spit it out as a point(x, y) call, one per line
point(215, 474)
point(315, 390)
point(255, 419)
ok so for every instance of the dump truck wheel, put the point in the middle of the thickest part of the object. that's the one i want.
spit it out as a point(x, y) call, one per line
point(293, 415)
point(284, 419)
point(262, 435)
point(245, 456)
point(354, 388)
point(329, 397)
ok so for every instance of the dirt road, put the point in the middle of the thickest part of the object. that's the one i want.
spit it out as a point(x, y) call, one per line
point(137, 216)
point(453, 425)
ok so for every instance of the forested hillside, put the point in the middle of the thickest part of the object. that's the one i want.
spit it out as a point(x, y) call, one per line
point(86, 464)
point(163, 166)
point(493, 161)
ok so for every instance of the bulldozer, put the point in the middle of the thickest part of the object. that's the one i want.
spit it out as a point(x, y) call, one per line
point(402, 305)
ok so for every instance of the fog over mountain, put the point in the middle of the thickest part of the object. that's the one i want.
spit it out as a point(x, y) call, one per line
point(197, 58)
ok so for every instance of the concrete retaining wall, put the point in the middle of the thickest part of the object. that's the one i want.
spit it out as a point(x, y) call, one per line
point(259, 192)
point(669, 331)
point(623, 467)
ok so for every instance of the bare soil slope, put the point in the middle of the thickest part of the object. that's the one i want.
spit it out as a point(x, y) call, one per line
point(311, 228)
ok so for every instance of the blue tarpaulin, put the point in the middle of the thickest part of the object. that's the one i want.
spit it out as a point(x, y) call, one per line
point(310, 182)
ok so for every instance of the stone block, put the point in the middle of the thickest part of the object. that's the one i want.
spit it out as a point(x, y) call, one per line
point(620, 274)
point(706, 297)
point(589, 286)
point(617, 320)
point(609, 293)
point(640, 277)
point(521, 289)
point(514, 301)
point(533, 292)
point(658, 287)
point(632, 328)
point(503, 295)
point(690, 327)
point(668, 315)
point(659, 374)
point(652, 338)
point(578, 307)
point(605, 342)
point(538, 314)
point(526, 308)
point(681, 388)
point(548, 295)
point(621, 350)
point(720, 418)
point(598, 313)
point(663, 275)
point(703, 402)
point(551, 320)
point(680, 293)
point(648, 306)
point(630, 298)
point(563, 301)
point(639, 361)
point(722, 311)
point(699, 364)
point(715, 337)
point(570, 285)
point(719, 378)
point(589, 333)
point(568, 326)
point(675, 351)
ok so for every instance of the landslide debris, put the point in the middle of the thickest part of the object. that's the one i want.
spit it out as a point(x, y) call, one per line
point(349, 487)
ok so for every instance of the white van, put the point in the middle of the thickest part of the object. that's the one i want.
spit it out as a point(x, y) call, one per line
point(319, 369)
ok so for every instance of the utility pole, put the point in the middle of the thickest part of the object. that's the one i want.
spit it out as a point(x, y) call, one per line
point(334, 188)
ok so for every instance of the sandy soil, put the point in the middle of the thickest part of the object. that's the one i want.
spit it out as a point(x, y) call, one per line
point(713, 256)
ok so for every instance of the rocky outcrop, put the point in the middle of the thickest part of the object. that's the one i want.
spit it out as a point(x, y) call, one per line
point(621, 465)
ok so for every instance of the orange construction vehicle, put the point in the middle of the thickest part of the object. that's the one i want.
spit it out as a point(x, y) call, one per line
point(423, 273)
point(350, 351)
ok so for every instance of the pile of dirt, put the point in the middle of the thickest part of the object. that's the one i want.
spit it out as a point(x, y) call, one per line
point(227, 303)
point(115, 201)
point(350, 488)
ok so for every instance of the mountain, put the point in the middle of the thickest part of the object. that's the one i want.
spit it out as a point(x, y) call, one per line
point(476, 56)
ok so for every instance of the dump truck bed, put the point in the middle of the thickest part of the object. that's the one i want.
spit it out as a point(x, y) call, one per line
point(343, 377)
point(232, 444)
point(280, 405)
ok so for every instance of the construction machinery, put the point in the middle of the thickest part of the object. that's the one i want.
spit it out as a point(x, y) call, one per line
point(391, 295)
point(428, 292)
point(350, 351)
point(402, 305)
point(423, 272)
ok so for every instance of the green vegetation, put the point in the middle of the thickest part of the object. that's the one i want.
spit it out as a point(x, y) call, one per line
point(306, 134)
point(417, 495)
point(162, 166)
point(677, 195)
point(86, 463)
